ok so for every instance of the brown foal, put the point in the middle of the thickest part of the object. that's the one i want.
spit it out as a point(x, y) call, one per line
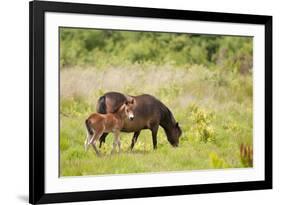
point(97, 124)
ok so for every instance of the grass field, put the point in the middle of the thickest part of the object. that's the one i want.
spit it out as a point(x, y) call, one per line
point(213, 107)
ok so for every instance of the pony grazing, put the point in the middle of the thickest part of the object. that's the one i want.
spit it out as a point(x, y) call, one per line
point(97, 124)
point(150, 113)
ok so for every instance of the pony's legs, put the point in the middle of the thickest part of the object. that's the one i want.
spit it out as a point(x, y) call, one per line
point(102, 139)
point(154, 131)
point(134, 139)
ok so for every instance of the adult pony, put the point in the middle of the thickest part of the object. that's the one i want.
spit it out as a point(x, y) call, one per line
point(149, 113)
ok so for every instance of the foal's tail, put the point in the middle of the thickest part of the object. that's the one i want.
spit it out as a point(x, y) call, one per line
point(101, 106)
point(88, 126)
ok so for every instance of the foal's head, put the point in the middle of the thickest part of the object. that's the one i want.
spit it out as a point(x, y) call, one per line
point(129, 106)
point(127, 109)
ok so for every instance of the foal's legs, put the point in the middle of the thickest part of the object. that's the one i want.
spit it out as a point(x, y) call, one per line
point(134, 139)
point(116, 142)
point(93, 141)
point(89, 137)
point(95, 148)
point(87, 140)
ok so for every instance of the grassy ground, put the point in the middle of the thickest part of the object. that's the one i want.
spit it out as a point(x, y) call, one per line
point(213, 107)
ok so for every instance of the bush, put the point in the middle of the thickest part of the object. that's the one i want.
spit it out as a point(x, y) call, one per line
point(202, 129)
point(246, 155)
point(80, 47)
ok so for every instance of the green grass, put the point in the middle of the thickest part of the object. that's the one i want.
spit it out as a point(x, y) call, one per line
point(214, 109)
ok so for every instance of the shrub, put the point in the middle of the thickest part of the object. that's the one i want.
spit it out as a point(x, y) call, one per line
point(91, 47)
point(202, 128)
point(246, 155)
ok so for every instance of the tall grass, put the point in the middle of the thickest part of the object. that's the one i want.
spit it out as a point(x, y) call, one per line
point(216, 118)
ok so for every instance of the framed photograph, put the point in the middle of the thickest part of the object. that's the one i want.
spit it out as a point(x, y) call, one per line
point(130, 102)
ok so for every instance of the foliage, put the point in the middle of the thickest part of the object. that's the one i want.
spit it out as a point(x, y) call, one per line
point(202, 128)
point(100, 48)
point(246, 154)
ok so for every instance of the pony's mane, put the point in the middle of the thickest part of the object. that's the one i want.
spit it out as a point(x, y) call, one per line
point(120, 100)
point(167, 119)
point(166, 114)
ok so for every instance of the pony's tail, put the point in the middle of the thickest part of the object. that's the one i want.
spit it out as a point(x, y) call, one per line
point(101, 106)
point(88, 126)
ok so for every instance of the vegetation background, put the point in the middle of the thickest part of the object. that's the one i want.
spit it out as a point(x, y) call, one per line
point(206, 81)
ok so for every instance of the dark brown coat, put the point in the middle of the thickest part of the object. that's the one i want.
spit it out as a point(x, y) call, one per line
point(149, 113)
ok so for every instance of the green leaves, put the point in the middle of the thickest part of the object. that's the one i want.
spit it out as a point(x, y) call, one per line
point(202, 128)
point(100, 48)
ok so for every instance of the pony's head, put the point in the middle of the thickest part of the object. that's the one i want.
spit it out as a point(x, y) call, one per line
point(174, 134)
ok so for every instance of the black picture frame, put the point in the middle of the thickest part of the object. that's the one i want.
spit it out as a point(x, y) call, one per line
point(37, 10)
